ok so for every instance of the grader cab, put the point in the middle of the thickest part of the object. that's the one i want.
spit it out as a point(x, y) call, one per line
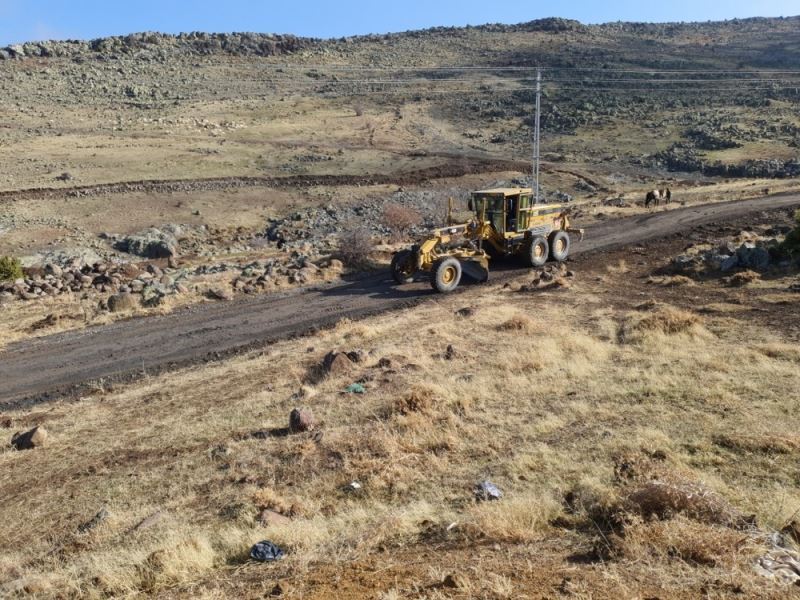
point(505, 222)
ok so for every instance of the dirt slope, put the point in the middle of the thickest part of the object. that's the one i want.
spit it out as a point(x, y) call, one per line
point(38, 369)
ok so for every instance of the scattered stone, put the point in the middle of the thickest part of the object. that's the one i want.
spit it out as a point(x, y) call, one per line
point(219, 293)
point(450, 353)
point(95, 521)
point(153, 295)
point(152, 243)
point(148, 521)
point(486, 491)
point(337, 363)
point(353, 487)
point(781, 565)
point(53, 269)
point(357, 356)
point(121, 302)
point(301, 420)
point(268, 518)
point(455, 581)
point(35, 438)
point(465, 312)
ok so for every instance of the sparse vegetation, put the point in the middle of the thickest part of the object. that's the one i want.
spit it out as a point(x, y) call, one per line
point(354, 247)
point(592, 446)
point(792, 241)
point(10, 268)
point(400, 219)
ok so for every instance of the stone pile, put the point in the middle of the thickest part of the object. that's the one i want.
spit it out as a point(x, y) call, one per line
point(757, 255)
point(152, 283)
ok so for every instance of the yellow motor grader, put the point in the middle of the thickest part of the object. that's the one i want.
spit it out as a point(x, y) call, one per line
point(506, 222)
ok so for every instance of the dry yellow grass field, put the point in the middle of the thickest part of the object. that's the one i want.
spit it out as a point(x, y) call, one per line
point(572, 405)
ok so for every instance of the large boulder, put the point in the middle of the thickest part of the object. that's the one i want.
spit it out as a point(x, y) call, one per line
point(753, 257)
point(152, 243)
point(719, 261)
point(121, 302)
point(301, 420)
point(336, 363)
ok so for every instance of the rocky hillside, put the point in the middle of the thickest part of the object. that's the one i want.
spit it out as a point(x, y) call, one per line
point(727, 114)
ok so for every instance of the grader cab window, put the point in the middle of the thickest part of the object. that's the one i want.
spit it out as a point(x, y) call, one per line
point(494, 207)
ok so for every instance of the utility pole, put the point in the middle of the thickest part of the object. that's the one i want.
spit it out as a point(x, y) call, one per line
point(536, 135)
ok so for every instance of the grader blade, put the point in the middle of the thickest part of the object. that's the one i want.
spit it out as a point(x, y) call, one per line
point(475, 270)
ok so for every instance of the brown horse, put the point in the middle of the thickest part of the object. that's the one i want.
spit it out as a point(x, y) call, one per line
point(656, 196)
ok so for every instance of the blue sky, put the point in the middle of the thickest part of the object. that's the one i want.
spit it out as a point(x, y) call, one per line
point(24, 20)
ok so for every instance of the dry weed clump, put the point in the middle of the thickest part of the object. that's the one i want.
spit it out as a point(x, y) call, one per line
point(763, 444)
point(418, 400)
point(665, 499)
point(400, 219)
point(354, 247)
point(179, 562)
point(621, 268)
point(516, 519)
point(518, 322)
point(672, 281)
point(780, 351)
point(743, 278)
point(268, 499)
point(661, 319)
point(695, 543)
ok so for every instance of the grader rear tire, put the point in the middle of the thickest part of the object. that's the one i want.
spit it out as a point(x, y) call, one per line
point(446, 275)
point(559, 246)
point(537, 252)
point(402, 270)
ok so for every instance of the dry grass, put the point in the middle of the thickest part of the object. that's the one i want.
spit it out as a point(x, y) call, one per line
point(657, 320)
point(743, 278)
point(686, 540)
point(543, 416)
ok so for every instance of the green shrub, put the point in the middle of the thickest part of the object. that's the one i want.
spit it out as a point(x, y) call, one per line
point(792, 242)
point(10, 268)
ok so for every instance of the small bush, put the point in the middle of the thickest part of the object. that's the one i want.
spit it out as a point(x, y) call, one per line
point(10, 269)
point(792, 242)
point(354, 248)
point(660, 319)
point(400, 219)
point(743, 278)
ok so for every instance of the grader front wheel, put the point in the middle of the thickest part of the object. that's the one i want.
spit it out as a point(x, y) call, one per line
point(446, 275)
point(403, 267)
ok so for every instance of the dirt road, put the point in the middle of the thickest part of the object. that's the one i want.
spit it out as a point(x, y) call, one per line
point(44, 368)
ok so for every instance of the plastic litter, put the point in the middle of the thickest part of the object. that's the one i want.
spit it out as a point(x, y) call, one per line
point(353, 486)
point(355, 388)
point(486, 491)
point(266, 552)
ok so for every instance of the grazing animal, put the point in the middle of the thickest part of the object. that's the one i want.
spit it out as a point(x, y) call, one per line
point(656, 196)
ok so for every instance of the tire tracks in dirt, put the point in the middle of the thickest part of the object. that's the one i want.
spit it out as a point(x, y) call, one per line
point(455, 167)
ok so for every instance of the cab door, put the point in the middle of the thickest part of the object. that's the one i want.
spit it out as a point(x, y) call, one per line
point(523, 216)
